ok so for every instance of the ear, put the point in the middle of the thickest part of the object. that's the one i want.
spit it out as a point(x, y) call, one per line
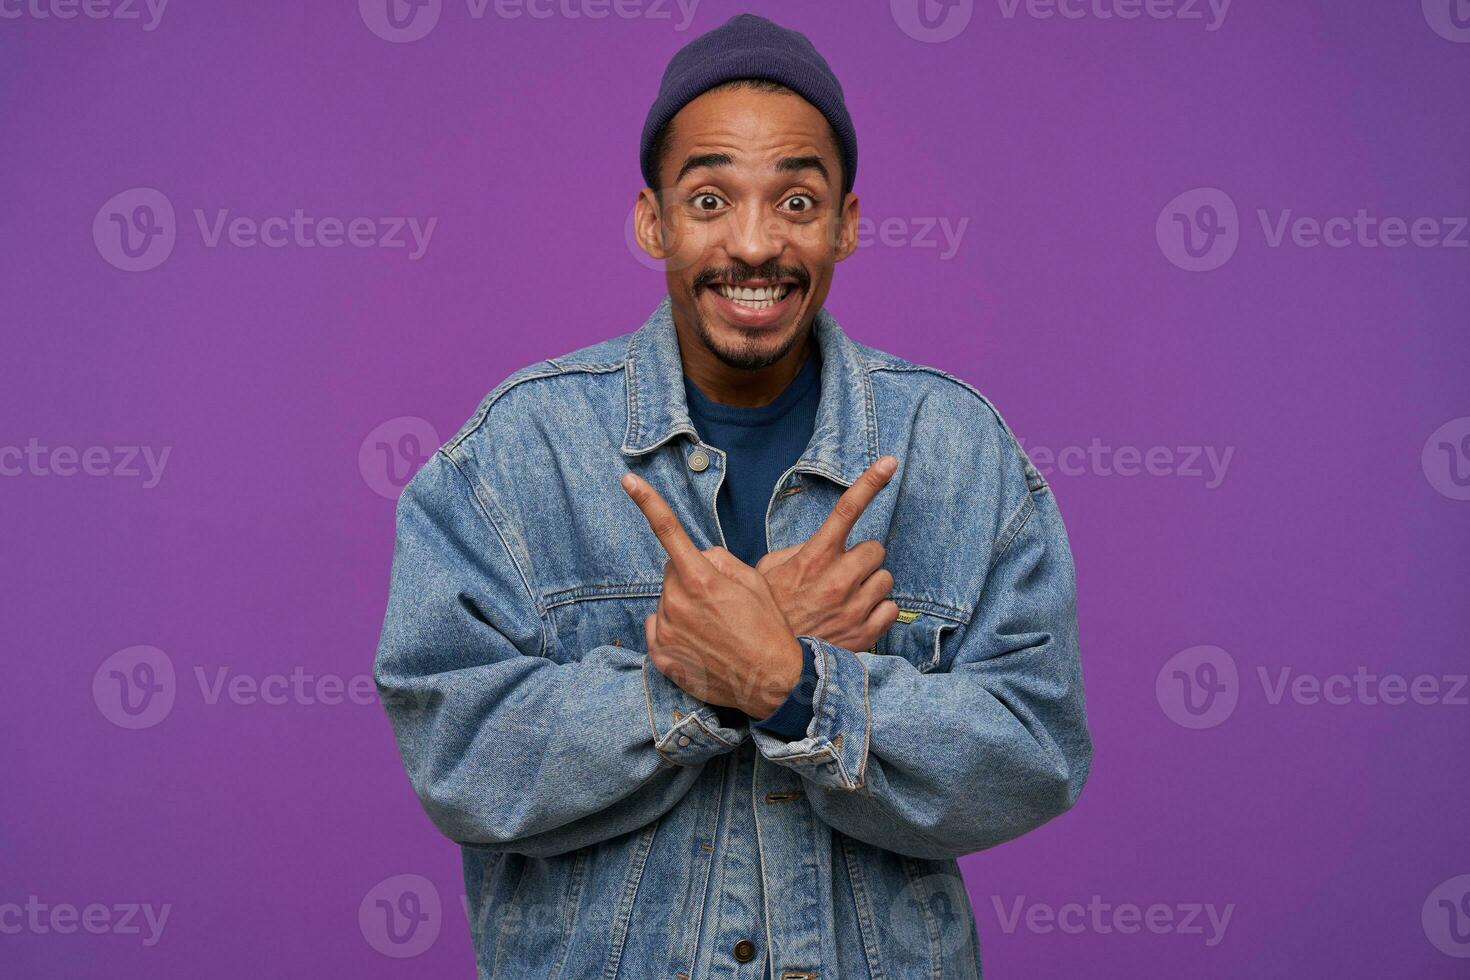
point(847, 227)
point(647, 219)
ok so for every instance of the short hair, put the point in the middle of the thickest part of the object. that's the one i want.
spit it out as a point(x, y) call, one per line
point(665, 134)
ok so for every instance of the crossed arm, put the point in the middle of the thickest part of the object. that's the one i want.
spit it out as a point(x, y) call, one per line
point(509, 749)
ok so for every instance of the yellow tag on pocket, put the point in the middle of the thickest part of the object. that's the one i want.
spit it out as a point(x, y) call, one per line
point(907, 615)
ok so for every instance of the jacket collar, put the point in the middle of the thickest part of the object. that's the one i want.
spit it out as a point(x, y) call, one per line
point(844, 440)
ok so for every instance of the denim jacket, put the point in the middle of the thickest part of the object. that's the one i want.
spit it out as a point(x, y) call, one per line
point(611, 827)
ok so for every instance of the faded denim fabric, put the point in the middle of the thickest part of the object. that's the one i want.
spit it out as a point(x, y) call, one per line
point(610, 826)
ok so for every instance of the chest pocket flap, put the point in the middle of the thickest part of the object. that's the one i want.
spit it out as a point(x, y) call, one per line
point(916, 636)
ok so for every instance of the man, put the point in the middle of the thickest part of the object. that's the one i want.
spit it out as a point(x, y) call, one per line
point(681, 729)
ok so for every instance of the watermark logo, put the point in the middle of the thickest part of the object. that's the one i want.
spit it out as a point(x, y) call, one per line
point(1199, 230)
point(40, 918)
point(145, 463)
point(147, 12)
point(393, 452)
point(933, 908)
point(1446, 459)
point(1450, 19)
point(400, 21)
point(931, 21)
point(135, 687)
point(403, 21)
point(1198, 687)
point(135, 230)
point(401, 916)
point(1211, 13)
point(1097, 458)
point(1203, 919)
point(1446, 917)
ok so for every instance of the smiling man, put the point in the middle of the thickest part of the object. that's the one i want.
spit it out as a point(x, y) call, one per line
point(738, 717)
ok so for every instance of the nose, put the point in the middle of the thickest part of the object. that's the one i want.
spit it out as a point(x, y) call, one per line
point(754, 236)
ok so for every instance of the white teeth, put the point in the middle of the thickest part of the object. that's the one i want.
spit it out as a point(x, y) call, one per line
point(756, 299)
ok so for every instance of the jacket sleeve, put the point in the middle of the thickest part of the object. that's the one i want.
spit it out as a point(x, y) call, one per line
point(940, 764)
point(511, 746)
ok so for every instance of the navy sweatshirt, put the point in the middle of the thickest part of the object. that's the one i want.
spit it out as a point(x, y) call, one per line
point(760, 444)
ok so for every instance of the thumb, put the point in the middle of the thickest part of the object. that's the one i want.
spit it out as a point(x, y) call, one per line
point(650, 631)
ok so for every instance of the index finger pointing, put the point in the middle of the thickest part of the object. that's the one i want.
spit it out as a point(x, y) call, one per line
point(854, 500)
point(665, 525)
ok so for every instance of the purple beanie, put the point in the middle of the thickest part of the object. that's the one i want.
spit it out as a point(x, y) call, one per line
point(750, 46)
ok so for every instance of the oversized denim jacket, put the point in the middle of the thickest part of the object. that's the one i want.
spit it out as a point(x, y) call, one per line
point(611, 827)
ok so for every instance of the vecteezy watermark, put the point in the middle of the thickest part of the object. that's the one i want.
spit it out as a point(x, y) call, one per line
point(1208, 463)
point(1210, 13)
point(932, 21)
point(136, 230)
point(404, 21)
point(1200, 230)
point(63, 919)
point(896, 232)
point(1446, 459)
point(687, 242)
point(393, 452)
point(137, 688)
point(1201, 686)
point(401, 916)
point(1198, 687)
point(934, 903)
point(1450, 19)
point(1097, 917)
point(144, 463)
point(1446, 917)
point(149, 13)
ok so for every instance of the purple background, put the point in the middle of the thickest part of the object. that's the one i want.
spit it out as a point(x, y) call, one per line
point(263, 549)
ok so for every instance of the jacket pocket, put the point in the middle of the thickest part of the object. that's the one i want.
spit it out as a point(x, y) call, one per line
point(599, 616)
point(916, 636)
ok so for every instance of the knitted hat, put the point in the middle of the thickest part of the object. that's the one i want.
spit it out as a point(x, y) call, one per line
point(750, 46)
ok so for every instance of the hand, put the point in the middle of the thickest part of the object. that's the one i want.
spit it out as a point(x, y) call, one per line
point(718, 632)
point(832, 592)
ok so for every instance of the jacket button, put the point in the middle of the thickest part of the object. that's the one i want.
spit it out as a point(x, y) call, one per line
point(745, 951)
point(699, 461)
point(683, 739)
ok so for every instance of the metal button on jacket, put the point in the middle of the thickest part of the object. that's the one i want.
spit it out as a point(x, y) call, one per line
point(745, 951)
point(699, 460)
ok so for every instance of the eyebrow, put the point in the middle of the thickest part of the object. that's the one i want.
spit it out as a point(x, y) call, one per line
point(783, 166)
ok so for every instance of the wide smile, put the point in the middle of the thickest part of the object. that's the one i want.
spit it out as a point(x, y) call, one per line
point(753, 306)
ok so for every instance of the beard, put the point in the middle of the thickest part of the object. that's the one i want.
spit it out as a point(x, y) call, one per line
point(749, 355)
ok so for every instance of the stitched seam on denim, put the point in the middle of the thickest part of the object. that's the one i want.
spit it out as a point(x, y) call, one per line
point(941, 609)
point(625, 903)
point(1027, 467)
point(1019, 518)
point(505, 922)
point(864, 907)
point(515, 562)
point(483, 412)
point(910, 870)
point(571, 903)
point(586, 593)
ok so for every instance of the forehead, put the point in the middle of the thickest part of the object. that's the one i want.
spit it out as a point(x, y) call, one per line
point(751, 126)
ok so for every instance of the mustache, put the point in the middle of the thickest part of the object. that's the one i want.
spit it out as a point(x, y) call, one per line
point(735, 276)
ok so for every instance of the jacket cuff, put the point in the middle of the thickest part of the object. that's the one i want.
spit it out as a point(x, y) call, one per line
point(834, 751)
point(686, 730)
point(791, 718)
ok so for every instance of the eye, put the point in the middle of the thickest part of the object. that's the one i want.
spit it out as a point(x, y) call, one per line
point(811, 203)
point(706, 201)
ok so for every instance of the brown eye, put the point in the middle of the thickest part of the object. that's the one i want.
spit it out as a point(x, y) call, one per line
point(706, 202)
point(805, 207)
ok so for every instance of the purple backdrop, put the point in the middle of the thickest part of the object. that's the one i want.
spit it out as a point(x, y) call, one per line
point(1209, 260)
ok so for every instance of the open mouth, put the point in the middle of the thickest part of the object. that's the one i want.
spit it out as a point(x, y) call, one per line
point(754, 298)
